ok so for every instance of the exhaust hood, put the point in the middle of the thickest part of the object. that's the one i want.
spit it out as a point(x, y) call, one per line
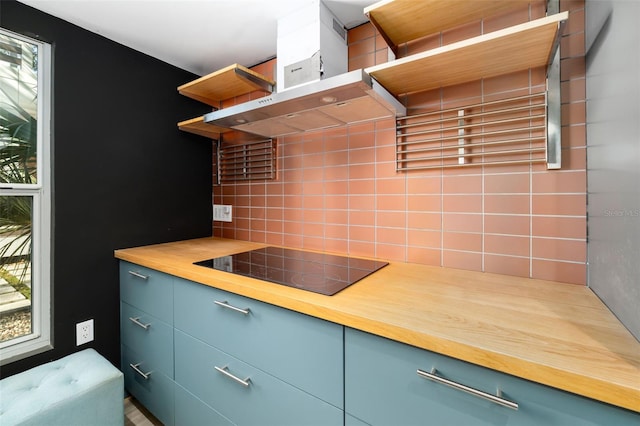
point(314, 90)
point(346, 98)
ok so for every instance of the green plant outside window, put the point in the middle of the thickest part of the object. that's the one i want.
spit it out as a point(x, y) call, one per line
point(18, 176)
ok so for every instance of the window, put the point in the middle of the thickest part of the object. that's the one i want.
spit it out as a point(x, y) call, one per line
point(25, 196)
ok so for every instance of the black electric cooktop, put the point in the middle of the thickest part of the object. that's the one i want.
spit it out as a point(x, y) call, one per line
point(317, 272)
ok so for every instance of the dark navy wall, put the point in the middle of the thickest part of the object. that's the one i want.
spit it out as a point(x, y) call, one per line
point(123, 174)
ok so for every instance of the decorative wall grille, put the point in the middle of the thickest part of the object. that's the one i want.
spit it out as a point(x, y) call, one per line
point(246, 161)
point(506, 131)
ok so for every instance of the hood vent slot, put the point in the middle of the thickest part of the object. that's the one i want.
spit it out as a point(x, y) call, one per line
point(339, 29)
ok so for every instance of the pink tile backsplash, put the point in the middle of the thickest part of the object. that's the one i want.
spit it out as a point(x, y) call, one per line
point(338, 190)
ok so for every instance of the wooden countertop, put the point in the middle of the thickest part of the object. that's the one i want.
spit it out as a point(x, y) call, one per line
point(560, 335)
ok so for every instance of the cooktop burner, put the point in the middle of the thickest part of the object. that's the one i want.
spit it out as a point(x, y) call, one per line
point(318, 272)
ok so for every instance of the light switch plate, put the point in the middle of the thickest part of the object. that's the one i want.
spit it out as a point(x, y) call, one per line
point(222, 212)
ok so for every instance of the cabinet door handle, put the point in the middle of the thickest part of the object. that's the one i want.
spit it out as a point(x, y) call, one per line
point(225, 370)
point(139, 275)
point(140, 372)
point(225, 304)
point(493, 398)
point(136, 321)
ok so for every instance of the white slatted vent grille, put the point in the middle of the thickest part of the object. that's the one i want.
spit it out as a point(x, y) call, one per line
point(507, 131)
point(247, 161)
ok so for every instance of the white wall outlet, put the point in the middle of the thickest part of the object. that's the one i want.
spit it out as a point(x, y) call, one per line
point(84, 332)
point(222, 212)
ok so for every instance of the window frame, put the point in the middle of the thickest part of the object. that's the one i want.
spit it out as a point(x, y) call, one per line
point(41, 337)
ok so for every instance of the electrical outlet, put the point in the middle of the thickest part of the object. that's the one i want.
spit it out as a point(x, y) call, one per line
point(222, 212)
point(84, 332)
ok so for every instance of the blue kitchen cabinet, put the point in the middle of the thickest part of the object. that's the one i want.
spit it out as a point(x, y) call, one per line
point(174, 333)
point(146, 335)
point(192, 411)
point(150, 386)
point(149, 290)
point(302, 370)
point(303, 351)
point(245, 394)
point(383, 387)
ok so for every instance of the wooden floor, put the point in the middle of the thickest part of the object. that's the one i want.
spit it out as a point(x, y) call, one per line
point(136, 415)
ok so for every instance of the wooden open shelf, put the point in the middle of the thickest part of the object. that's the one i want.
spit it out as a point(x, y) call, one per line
point(500, 52)
point(234, 80)
point(199, 127)
point(211, 89)
point(400, 21)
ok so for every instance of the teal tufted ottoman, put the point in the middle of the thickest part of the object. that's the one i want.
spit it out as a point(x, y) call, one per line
point(80, 389)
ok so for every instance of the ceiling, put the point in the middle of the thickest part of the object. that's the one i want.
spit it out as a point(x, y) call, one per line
point(200, 36)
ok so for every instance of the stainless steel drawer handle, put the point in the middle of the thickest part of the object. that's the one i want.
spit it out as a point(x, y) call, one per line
point(140, 372)
point(136, 321)
point(225, 304)
point(493, 398)
point(225, 370)
point(139, 275)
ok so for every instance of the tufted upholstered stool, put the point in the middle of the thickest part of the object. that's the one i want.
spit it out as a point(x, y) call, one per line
point(80, 389)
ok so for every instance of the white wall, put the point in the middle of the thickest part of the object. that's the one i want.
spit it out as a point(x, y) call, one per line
point(613, 155)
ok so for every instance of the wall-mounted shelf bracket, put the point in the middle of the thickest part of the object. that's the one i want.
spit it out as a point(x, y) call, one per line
point(259, 81)
point(554, 139)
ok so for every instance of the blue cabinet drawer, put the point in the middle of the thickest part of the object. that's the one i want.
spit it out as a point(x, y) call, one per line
point(149, 290)
point(301, 350)
point(155, 391)
point(244, 394)
point(191, 411)
point(382, 387)
point(147, 335)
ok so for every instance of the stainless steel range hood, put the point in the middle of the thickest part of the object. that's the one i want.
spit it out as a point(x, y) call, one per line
point(314, 89)
point(343, 99)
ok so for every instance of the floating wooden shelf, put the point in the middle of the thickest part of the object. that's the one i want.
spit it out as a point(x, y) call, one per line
point(234, 80)
point(211, 89)
point(500, 52)
point(400, 21)
point(199, 127)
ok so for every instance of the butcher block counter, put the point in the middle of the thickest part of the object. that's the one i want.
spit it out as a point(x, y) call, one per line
point(560, 335)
